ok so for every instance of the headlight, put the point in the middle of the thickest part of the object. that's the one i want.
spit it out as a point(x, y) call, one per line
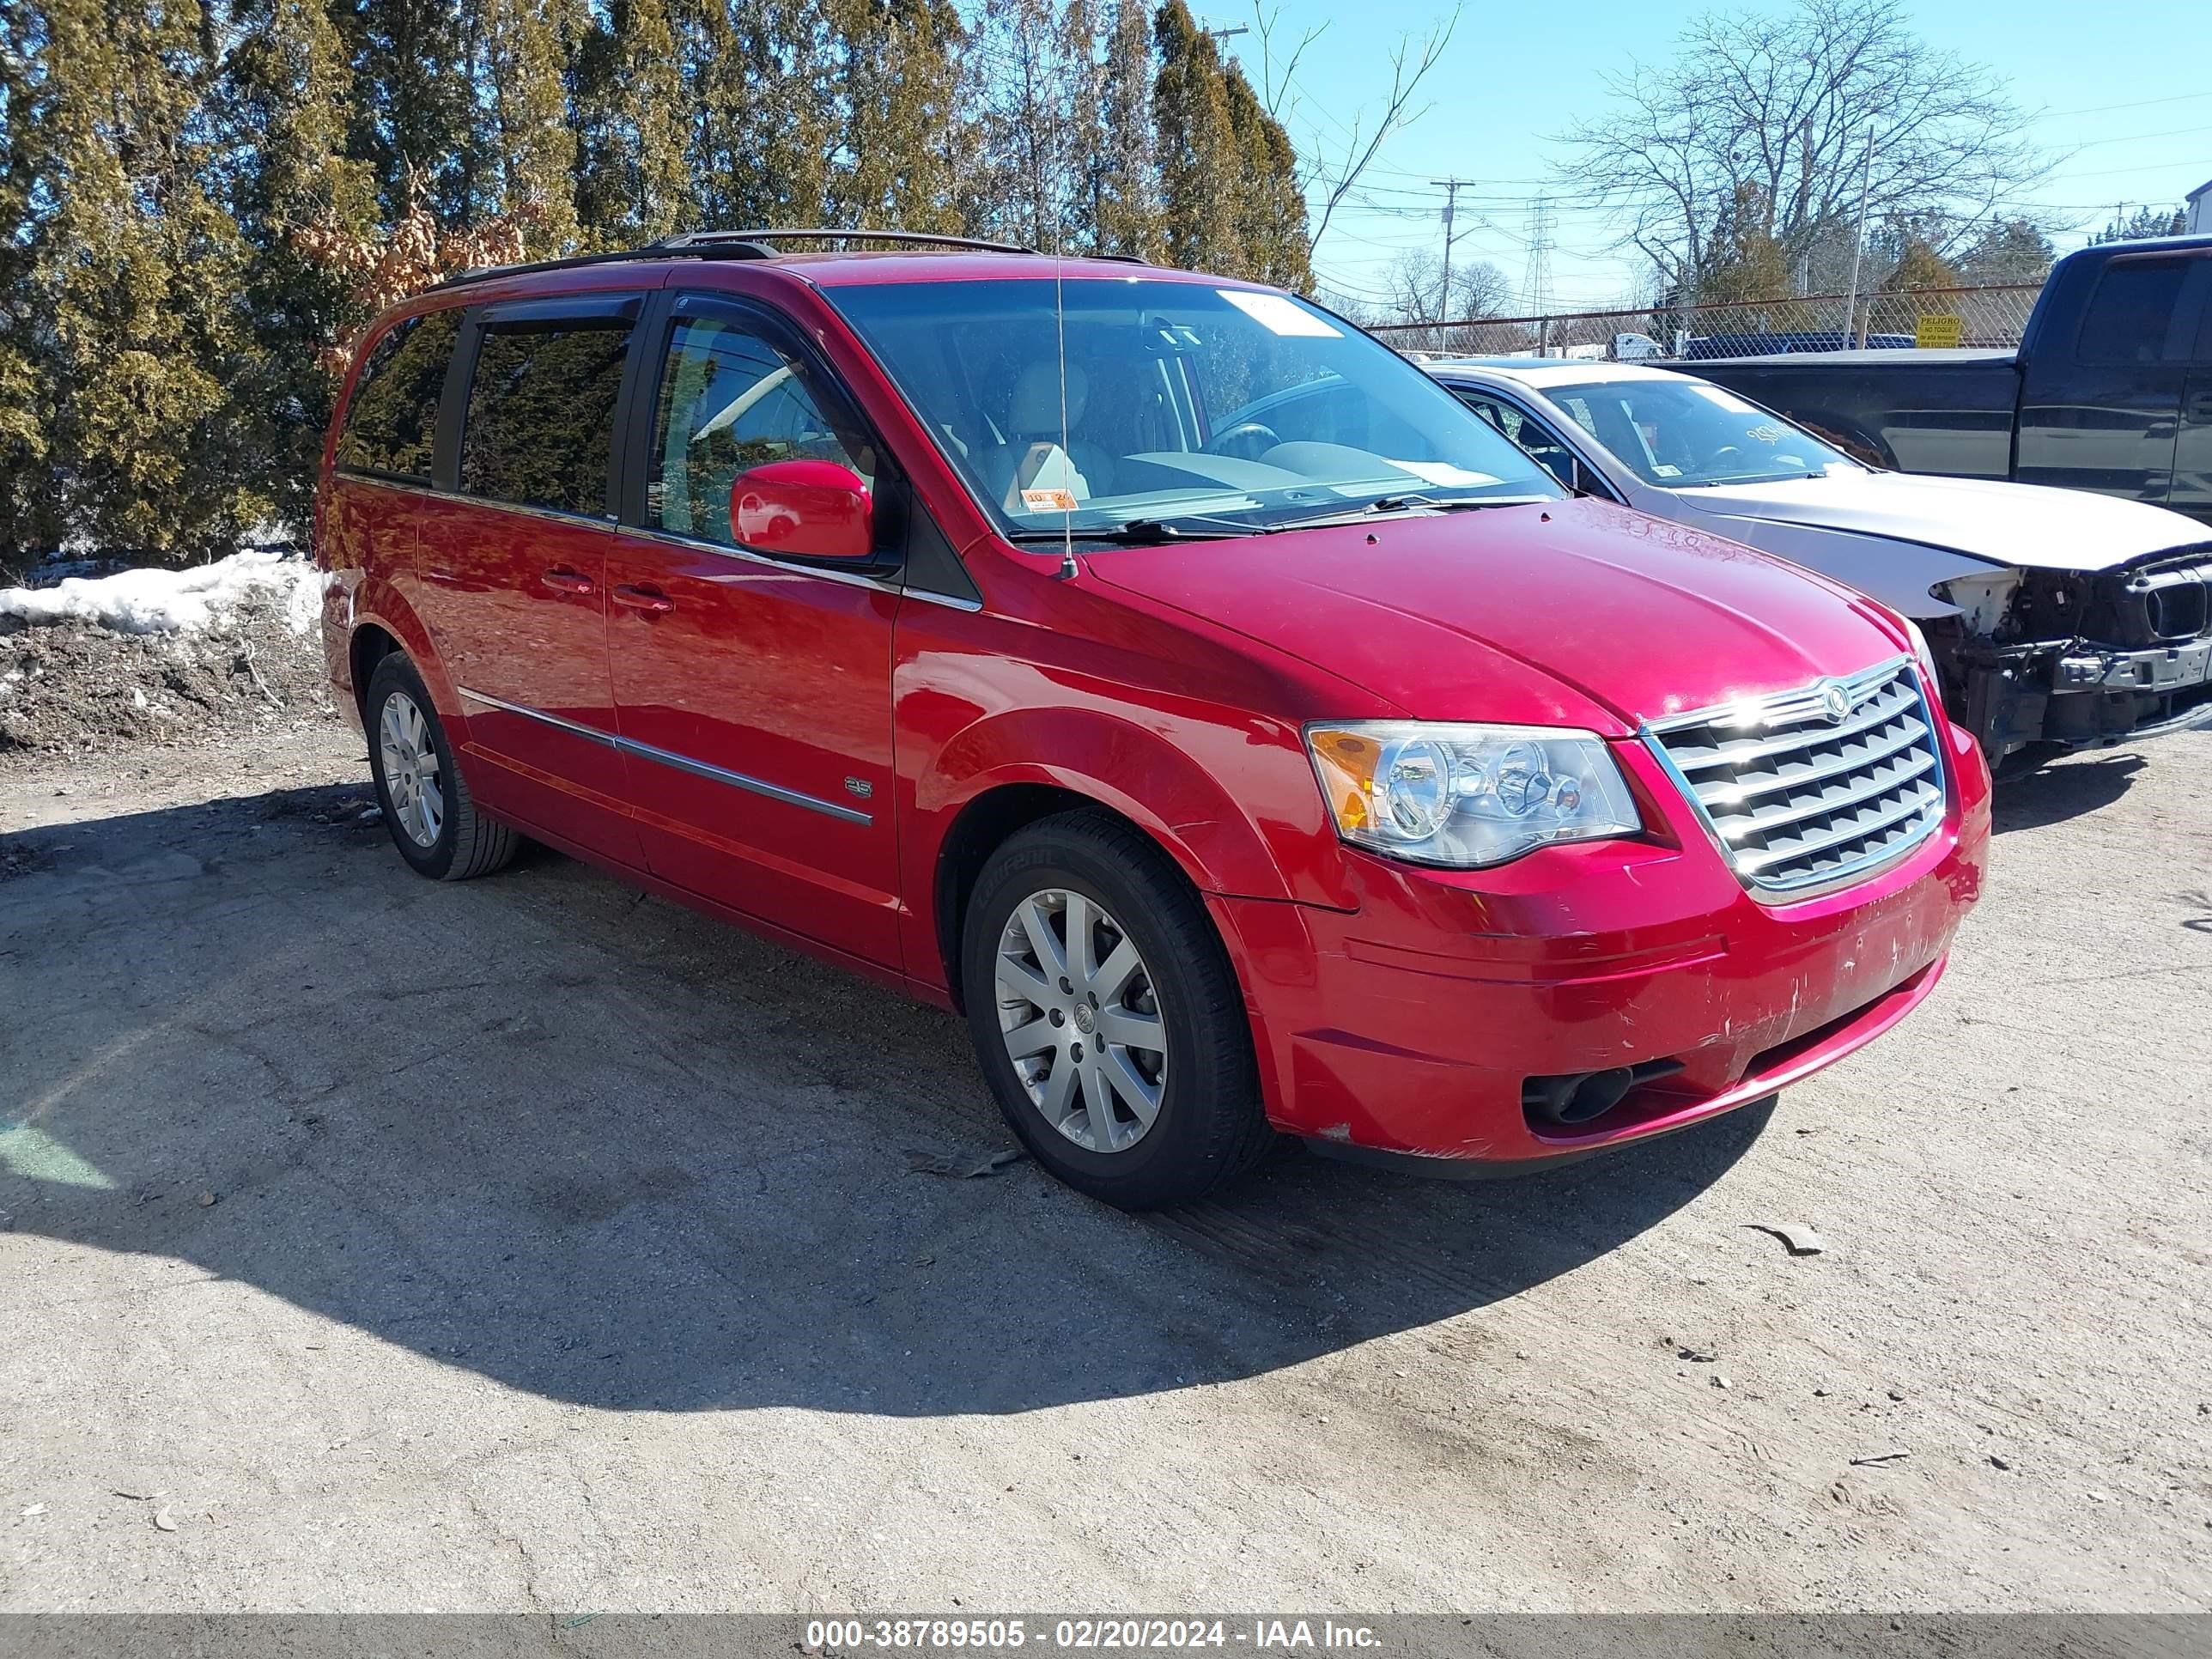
point(1468, 795)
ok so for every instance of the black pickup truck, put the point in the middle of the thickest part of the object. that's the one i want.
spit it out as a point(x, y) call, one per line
point(2111, 389)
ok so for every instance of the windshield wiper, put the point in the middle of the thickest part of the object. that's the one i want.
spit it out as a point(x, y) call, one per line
point(1146, 532)
point(1404, 504)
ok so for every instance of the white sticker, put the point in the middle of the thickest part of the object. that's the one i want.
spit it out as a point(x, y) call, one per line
point(1443, 473)
point(1278, 315)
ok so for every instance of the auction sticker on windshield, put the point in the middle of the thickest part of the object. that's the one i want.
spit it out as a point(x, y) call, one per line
point(1278, 315)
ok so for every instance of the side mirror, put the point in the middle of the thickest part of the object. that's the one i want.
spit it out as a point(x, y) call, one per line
point(1562, 466)
point(808, 509)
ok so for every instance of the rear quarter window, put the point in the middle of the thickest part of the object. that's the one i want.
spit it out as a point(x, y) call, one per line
point(541, 416)
point(2133, 312)
point(391, 421)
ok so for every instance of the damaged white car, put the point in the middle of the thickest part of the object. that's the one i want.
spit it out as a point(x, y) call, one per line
point(2056, 618)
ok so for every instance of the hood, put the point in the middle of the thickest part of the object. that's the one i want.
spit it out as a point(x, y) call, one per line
point(1570, 613)
point(2008, 524)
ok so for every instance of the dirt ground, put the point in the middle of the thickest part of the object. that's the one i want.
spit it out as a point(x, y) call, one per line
point(71, 689)
point(527, 1244)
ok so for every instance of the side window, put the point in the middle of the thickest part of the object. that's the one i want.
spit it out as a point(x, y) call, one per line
point(392, 419)
point(541, 420)
point(730, 401)
point(2131, 313)
point(1543, 444)
point(1507, 419)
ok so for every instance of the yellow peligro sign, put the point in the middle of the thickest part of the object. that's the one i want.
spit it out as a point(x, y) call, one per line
point(1937, 329)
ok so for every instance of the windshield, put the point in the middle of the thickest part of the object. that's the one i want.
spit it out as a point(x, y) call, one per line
point(1681, 434)
point(1220, 409)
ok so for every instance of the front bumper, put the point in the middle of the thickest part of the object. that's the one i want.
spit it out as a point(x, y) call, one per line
point(2088, 697)
point(2087, 659)
point(1409, 1024)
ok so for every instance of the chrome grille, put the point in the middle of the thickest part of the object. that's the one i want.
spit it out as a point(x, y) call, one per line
point(1812, 787)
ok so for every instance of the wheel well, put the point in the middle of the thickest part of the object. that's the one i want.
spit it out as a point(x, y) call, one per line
point(369, 646)
point(983, 827)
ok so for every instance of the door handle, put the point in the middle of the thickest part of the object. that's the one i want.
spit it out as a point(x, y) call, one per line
point(566, 581)
point(650, 600)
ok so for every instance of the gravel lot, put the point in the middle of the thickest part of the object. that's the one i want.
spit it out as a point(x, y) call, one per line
point(531, 1245)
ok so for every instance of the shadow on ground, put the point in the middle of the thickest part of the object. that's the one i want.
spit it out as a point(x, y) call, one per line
point(2064, 789)
point(599, 1149)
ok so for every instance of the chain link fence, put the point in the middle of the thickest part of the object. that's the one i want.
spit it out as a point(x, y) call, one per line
point(1990, 317)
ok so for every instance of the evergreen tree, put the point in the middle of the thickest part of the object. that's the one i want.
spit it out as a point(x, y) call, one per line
point(2016, 251)
point(27, 521)
point(897, 84)
point(523, 48)
point(1918, 266)
point(1198, 158)
point(137, 344)
point(757, 77)
point(1125, 202)
point(1270, 218)
point(1743, 260)
point(631, 108)
point(415, 109)
point(280, 108)
point(2144, 222)
point(206, 199)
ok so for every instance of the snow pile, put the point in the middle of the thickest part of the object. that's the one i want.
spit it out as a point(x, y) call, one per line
point(175, 601)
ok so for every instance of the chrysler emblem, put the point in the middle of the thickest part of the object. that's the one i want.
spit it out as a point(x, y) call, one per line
point(1835, 702)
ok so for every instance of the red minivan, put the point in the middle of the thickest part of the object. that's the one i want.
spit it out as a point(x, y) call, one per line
point(1235, 763)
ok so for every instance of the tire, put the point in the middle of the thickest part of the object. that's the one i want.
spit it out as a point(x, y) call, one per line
point(1207, 1126)
point(465, 843)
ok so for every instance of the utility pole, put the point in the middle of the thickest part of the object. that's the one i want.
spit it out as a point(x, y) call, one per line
point(1858, 246)
point(1219, 35)
point(1451, 189)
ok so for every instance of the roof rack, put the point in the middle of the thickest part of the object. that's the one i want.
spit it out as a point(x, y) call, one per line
point(738, 245)
point(700, 240)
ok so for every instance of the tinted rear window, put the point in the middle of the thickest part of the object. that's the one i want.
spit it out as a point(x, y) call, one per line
point(541, 418)
point(394, 416)
point(2130, 316)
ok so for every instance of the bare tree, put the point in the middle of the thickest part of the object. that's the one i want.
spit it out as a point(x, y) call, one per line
point(1780, 115)
point(1032, 93)
point(1326, 176)
point(1414, 281)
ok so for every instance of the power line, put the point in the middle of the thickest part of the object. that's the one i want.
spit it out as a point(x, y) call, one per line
point(2133, 103)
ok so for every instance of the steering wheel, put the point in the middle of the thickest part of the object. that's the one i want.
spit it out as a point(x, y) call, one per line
point(1252, 438)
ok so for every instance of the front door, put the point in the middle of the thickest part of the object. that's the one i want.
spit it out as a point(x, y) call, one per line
point(2099, 411)
point(2193, 447)
point(753, 693)
point(514, 567)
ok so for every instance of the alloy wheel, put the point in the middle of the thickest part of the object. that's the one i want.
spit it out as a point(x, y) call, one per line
point(410, 769)
point(1081, 1020)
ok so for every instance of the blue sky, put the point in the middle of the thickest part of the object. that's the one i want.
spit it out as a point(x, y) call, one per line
point(2124, 92)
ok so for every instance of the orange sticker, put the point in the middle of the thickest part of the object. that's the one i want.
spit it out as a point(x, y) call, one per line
point(1049, 501)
